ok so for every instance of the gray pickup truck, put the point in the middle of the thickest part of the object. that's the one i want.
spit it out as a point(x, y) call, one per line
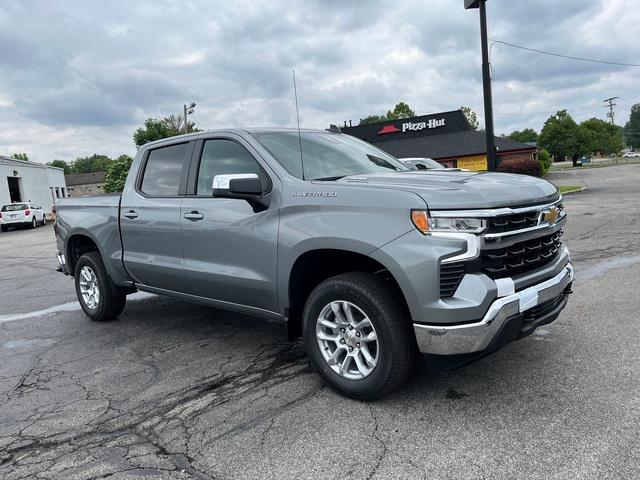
point(367, 259)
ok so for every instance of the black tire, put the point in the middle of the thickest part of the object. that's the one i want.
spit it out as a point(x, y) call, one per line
point(109, 305)
point(44, 220)
point(4, 228)
point(374, 297)
point(34, 223)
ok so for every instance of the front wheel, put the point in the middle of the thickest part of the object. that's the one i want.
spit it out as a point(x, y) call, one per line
point(44, 219)
point(93, 289)
point(357, 337)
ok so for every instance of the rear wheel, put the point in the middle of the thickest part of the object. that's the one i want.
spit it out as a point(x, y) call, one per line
point(34, 224)
point(4, 228)
point(357, 337)
point(93, 289)
point(44, 219)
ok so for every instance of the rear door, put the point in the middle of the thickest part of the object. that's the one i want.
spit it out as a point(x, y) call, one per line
point(229, 246)
point(150, 219)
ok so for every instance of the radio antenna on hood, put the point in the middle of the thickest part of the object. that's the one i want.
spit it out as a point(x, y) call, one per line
point(295, 95)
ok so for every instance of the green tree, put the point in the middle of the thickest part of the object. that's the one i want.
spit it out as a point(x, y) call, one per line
point(20, 156)
point(604, 137)
point(545, 160)
point(562, 137)
point(153, 130)
point(61, 164)
point(401, 110)
point(175, 123)
point(373, 119)
point(117, 174)
point(632, 127)
point(472, 118)
point(528, 135)
point(94, 163)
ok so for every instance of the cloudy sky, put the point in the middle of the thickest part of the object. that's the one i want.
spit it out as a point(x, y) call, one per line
point(78, 77)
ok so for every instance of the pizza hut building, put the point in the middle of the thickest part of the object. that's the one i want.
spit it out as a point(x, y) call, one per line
point(445, 137)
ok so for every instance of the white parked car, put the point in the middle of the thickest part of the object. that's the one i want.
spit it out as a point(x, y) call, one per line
point(21, 215)
point(632, 155)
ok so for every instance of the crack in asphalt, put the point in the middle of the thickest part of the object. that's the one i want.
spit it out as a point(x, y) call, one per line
point(269, 368)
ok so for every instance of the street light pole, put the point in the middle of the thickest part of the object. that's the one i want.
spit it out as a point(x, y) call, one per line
point(188, 110)
point(186, 123)
point(492, 160)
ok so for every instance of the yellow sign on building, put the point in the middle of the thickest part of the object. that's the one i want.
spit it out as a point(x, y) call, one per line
point(476, 163)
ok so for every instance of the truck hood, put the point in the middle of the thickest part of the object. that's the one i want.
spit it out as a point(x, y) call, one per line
point(452, 190)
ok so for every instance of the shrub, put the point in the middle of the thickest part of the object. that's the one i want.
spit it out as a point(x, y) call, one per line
point(523, 167)
point(545, 160)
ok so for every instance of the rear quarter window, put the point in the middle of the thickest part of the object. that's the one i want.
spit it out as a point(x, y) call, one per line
point(163, 169)
point(15, 207)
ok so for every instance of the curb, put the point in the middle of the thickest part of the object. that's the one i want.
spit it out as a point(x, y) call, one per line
point(575, 190)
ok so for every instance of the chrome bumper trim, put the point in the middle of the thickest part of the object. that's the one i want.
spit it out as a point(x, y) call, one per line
point(492, 212)
point(475, 337)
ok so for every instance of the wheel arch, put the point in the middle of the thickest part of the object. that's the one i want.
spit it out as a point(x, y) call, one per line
point(313, 266)
point(80, 242)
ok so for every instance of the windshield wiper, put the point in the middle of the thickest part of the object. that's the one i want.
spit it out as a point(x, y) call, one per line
point(329, 179)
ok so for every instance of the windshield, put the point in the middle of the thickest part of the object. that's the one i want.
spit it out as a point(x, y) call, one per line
point(327, 156)
point(14, 207)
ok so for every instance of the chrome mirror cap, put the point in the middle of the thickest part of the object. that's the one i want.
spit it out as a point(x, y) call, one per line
point(221, 182)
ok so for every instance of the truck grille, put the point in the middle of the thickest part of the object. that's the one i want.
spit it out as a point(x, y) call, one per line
point(450, 277)
point(521, 257)
point(515, 221)
point(517, 259)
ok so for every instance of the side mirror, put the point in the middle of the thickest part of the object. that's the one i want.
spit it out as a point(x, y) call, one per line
point(242, 186)
point(237, 185)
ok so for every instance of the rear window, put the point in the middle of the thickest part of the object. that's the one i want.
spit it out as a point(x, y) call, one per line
point(162, 172)
point(14, 207)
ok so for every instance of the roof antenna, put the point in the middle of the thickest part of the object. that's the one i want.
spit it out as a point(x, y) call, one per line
point(295, 94)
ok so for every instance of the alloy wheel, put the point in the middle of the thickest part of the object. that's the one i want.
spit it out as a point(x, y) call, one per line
point(89, 287)
point(347, 339)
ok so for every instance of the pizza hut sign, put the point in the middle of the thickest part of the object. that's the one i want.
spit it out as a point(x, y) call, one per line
point(409, 127)
point(432, 123)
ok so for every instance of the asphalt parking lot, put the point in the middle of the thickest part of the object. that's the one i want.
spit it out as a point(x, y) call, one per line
point(173, 390)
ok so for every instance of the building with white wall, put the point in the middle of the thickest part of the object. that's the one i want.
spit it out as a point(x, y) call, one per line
point(22, 181)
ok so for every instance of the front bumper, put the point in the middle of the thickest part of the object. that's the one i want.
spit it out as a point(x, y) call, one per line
point(482, 335)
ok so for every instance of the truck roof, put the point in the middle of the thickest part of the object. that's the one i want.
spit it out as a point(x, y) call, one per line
point(239, 131)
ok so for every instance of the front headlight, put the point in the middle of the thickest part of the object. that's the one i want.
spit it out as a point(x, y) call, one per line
point(426, 224)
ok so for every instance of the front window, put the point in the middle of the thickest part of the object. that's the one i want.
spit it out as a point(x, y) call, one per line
point(15, 207)
point(326, 156)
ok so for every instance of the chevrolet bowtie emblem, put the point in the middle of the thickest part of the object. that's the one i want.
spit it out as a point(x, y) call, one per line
point(549, 215)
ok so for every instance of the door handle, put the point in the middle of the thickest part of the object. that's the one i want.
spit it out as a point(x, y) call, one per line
point(130, 214)
point(194, 215)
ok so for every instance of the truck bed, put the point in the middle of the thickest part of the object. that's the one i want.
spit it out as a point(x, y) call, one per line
point(95, 217)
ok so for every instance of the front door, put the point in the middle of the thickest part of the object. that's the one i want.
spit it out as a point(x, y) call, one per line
point(229, 246)
point(150, 220)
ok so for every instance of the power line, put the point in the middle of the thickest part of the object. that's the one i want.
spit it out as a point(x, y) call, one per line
point(544, 52)
point(549, 112)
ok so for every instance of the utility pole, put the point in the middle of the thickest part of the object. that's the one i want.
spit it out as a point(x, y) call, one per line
point(611, 113)
point(492, 160)
point(188, 111)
